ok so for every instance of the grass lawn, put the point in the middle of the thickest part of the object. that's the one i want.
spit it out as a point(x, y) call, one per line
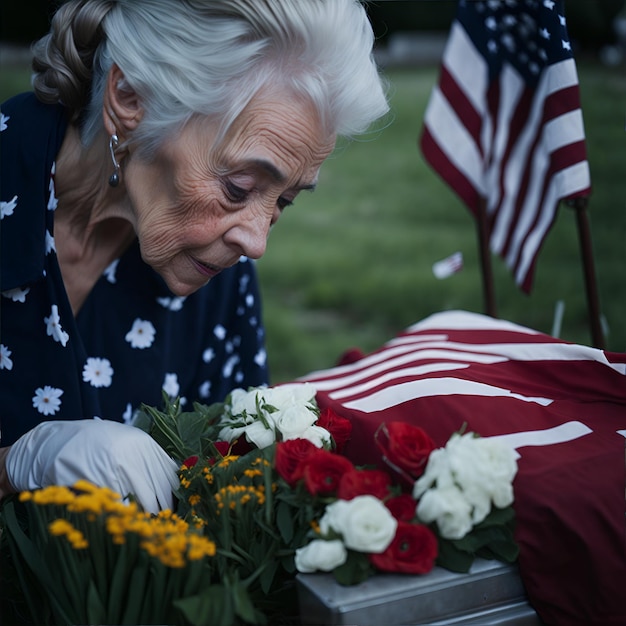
point(351, 264)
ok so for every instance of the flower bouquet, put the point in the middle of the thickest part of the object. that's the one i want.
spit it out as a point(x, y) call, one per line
point(265, 493)
point(84, 557)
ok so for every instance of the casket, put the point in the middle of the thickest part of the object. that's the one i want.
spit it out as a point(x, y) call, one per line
point(562, 406)
point(491, 593)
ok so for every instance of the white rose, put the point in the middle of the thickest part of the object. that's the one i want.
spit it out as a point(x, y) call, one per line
point(321, 555)
point(483, 468)
point(242, 401)
point(438, 472)
point(449, 509)
point(293, 394)
point(230, 434)
point(317, 435)
point(294, 420)
point(364, 522)
point(257, 434)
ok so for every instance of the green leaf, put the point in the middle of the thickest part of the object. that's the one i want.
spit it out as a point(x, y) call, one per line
point(96, 613)
point(25, 552)
point(356, 569)
point(136, 592)
point(284, 521)
point(507, 551)
point(498, 517)
point(244, 606)
point(452, 558)
point(268, 575)
point(213, 606)
point(119, 584)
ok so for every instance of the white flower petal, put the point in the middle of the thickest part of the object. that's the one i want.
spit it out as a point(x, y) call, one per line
point(321, 555)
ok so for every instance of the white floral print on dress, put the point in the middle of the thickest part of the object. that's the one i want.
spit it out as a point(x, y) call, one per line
point(110, 271)
point(7, 208)
point(47, 400)
point(3, 121)
point(53, 326)
point(17, 294)
point(170, 385)
point(172, 304)
point(52, 199)
point(6, 363)
point(98, 372)
point(204, 390)
point(141, 335)
point(50, 246)
point(260, 358)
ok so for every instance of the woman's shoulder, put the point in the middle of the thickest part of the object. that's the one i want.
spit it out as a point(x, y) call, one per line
point(26, 122)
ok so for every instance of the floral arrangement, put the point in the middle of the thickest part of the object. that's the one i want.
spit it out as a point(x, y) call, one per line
point(88, 558)
point(265, 493)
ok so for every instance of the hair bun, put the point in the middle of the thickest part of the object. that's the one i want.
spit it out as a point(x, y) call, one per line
point(63, 59)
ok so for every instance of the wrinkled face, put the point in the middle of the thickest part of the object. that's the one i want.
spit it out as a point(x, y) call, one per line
point(198, 208)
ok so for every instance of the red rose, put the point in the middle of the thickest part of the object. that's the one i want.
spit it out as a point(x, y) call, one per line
point(405, 447)
point(339, 427)
point(289, 456)
point(402, 507)
point(323, 470)
point(412, 551)
point(190, 461)
point(364, 482)
point(222, 447)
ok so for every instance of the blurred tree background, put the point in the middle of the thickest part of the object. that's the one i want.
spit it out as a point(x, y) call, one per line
point(590, 22)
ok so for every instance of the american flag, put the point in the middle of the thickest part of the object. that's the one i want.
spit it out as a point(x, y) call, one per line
point(562, 406)
point(504, 125)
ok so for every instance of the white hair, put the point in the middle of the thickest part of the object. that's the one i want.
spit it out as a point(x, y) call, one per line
point(210, 57)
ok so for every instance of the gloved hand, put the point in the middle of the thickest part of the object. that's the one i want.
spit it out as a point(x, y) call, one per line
point(107, 454)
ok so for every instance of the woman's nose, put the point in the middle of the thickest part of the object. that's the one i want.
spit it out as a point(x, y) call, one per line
point(249, 236)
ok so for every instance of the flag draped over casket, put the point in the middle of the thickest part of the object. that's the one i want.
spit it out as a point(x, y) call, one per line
point(504, 126)
point(561, 405)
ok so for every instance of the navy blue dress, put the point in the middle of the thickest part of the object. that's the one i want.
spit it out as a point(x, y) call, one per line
point(132, 337)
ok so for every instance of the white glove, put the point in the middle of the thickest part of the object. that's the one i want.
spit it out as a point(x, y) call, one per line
point(107, 454)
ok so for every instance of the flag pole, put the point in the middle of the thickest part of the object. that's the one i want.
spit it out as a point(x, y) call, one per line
point(489, 298)
point(593, 302)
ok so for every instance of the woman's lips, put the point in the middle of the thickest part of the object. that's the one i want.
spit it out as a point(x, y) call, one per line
point(207, 270)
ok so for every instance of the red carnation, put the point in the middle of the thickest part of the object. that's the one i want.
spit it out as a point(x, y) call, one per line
point(405, 447)
point(402, 507)
point(339, 427)
point(289, 457)
point(412, 551)
point(323, 470)
point(364, 482)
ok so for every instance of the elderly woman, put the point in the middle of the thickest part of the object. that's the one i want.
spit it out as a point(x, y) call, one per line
point(139, 182)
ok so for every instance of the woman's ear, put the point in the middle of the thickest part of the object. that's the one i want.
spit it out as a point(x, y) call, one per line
point(122, 109)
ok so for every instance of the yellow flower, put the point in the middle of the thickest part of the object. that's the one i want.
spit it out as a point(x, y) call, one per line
point(61, 527)
point(194, 499)
point(54, 494)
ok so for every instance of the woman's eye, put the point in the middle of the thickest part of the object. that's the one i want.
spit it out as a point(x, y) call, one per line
point(234, 193)
point(283, 203)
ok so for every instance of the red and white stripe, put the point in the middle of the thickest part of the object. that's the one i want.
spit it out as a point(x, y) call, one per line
point(521, 149)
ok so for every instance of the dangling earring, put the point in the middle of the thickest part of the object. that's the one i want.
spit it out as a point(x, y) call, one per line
point(114, 179)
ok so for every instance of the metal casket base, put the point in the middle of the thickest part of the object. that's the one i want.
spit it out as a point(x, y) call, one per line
point(490, 594)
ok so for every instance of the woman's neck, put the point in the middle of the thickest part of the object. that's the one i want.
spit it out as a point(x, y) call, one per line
point(92, 222)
